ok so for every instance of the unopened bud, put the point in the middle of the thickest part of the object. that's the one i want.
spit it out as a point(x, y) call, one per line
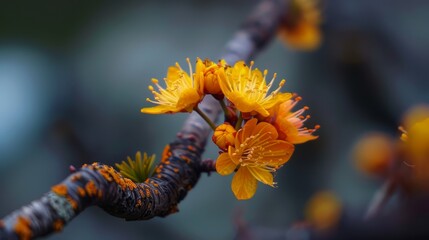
point(224, 136)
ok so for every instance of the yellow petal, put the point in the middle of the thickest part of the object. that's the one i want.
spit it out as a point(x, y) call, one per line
point(243, 184)
point(189, 98)
point(173, 73)
point(279, 152)
point(264, 127)
point(247, 130)
point(243, 103)
point(262, 175)
point(224, 164)
point(157, 109)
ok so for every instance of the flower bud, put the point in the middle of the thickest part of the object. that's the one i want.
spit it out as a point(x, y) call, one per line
point(374, 153)
point(224, 136)
point(323, 211)
point(209, 76)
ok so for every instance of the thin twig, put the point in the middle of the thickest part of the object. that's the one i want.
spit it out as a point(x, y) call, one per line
point(380, 198)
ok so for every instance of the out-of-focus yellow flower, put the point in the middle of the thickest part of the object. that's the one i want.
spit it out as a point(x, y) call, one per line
point(301, 28)
point(257, 153)
point(416, 143)
point(182, 92)
point(248, 91)
point(374, 153)
point(224, 136)
point(137, 170)
point(290, 125)
point(323, 210)
point(207, 75)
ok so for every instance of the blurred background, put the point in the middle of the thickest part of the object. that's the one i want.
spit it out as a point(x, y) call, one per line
point(74, 75)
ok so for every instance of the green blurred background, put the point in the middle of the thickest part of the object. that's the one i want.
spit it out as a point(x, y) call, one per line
point(74, 75)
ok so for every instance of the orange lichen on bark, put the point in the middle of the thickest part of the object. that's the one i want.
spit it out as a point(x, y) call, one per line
point(166, 153)
point(141, 193)
point(109, 173)
point(58, 225)
point(81, 191)
point(72, 202)
point(22, 228)
point(159, 169)
point(60, 189)
point(76, 177)
point(105, 174)
point(186, 159)
point(191, 148)
point(130, 184)
point(147, 192)
point(176, 170)
point(91, 189)
point(139, 203)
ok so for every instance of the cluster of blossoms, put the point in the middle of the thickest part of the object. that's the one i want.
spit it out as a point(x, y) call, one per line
point(260, 128)
point(380, 155)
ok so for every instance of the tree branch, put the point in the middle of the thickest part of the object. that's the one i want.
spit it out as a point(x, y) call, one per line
point(179, 171)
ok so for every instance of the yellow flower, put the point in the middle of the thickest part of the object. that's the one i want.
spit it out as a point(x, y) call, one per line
point(257, 153)
point(416, 144)
point(224, 136)
point(323, 211)
point(182, 92)
point(207, 75)
point(248, 91)
point(301, 28)
point(291, 124)
point(374, 153)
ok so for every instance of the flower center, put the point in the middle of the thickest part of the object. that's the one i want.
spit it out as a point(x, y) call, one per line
point(255, 151)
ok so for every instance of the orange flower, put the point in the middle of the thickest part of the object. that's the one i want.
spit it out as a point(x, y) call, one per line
point(224, 136)
point(323, 211)
point(301, 28)
point(208, 75)
point(257, 153)
point(291, 124)
point(416, 143)
point(182, 92)
point(374, 154)
point(248, 91)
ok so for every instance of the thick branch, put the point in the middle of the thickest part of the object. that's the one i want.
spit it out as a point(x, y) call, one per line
point(179, 171)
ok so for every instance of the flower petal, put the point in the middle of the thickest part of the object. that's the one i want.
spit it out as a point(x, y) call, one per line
point(264, 127)
point(248, 129)
point(157, 109)
point(224, 164)
point(262, 175)
point(189, 98)
point(278, 153)
point(244, 184)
